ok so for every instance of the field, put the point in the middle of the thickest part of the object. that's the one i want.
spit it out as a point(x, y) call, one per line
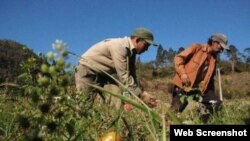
point(44, 105)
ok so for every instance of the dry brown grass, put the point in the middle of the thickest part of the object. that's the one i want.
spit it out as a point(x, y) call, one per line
point(235, 85)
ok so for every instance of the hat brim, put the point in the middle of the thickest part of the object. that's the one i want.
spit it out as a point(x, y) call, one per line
point(151, 42)
point(224, 46)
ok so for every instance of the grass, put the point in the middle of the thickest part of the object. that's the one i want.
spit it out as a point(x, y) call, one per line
point(90, 124)
point(103, 118)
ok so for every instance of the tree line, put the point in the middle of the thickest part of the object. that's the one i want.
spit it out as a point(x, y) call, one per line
point(239, 61)
point(13, 53)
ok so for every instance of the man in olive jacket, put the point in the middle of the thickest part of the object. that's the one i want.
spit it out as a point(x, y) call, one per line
point(114, 56)
point(195, 68)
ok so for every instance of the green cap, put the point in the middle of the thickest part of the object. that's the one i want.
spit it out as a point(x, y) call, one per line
point(145, 34)
point(222, 39)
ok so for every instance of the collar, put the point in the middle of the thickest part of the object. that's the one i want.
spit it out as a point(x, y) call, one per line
point(131, 46)
point(205, 47)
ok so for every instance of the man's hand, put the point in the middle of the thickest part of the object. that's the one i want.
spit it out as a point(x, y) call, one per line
point(185, 80)
point(149, 99)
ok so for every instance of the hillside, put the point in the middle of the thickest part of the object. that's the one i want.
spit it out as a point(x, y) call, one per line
point(12, 54)
point(236, 98)
point(234, 85)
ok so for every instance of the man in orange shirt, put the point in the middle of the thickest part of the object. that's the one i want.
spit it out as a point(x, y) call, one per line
point(195, 69)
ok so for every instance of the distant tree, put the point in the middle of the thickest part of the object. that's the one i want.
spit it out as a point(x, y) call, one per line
point(160, 57)
point(180, 49)
point(233, 56)
point(165, 52)
point(246, 57)
point(247, 54)
point(170, 54)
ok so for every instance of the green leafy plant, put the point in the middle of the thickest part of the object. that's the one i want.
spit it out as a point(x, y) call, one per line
point(192, 94)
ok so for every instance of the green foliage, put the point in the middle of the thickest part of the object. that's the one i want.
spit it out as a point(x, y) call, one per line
point(193, 94)
point(48, 107)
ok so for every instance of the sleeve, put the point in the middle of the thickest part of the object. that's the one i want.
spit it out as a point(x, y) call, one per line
point(182, 58)
point(121, 58)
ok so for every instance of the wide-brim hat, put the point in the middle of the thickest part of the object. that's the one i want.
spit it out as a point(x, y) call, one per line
point(146, 35)
point(222, 39)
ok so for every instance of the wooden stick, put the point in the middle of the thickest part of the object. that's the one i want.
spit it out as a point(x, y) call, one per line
point(220, 88)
